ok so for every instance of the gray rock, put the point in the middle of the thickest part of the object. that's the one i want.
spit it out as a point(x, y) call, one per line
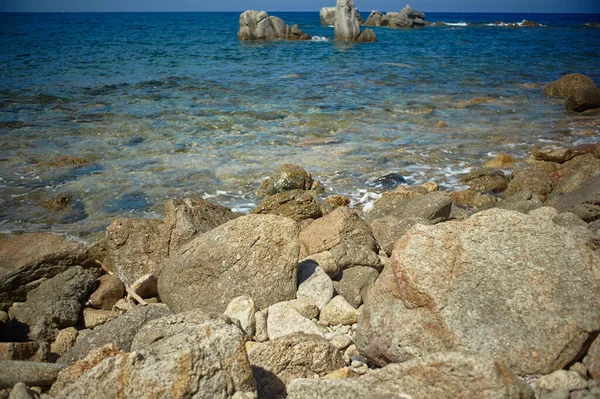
point(298, 205)
point(406, 18)
point(283, 320)
point(523, 201)
point(261, 334)
point(470, 285)
point(110, 291)
point(584, 99)
point(346, 24)
point(575, 172)
point(254, 255)
point(21, 391)
point(242, 308)
point(53, 305)
point(352, 283)
point(533, 180)
point(119, 331)
point(568, 85)
point(389, 229)
point(482, 180)
point(276, 363)
point(434, 207)
point(592, 360)
point(184, 355)
point(28, 260)
point(374, 18)
point(558, 155)
point(31, 373)
point(327, 15)
point(314, 284)
point(287, 177)
point(584, 202)
point(568, 219)
point(258, 25)
point(444, 375)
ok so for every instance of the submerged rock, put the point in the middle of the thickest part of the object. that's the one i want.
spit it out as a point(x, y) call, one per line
point(258, 25)
point(568, 84)
point(407, 18)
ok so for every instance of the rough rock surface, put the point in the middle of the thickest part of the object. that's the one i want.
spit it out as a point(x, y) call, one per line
point(258, 25)
point(297, 205)
point(406, 18)
point(110, 291)
point(346, 24)
point(31, 373)
point(338, 311)
point(242, 308)
point(277, 362)
point(569, 380)
point(568, 85)
point(327, 16)
point(486, 180)
point(446, 375)
point(257, 252)
point(119, 331)
point(53, 305)
point(584, 201)
point(31, 351)
point(184, 355)
point(388, 230)
point(533, 180)
point(434, 207)
point(584, 99)
point(284, 320)
point(287, 177)
point(592, 360)
point(503, 283)
point(314, 283)
point(352, 283)
point(28, 260)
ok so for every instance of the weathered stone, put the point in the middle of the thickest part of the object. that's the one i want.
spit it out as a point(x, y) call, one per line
point(110, 291)
point(501, 161)
point(533, 180)
point(337, 201)
point(523, 201)
point(406, 18)
point(562, 379)
point(30, 373)
point(65, 339)
point(184, 355)
point(257, 252)
point(287, 177)
point(560, 155)
point(31, 351)
point(574, 173)
point(351, 283)
point(21, 391)
point(444, 375)
point(341, 341)
point(119, 332)
point(314, 283)
point(261, 334)
point(307, 307)
point(146, 286)
point(242, 308)
point(389, 229)
point(28, 260)
point(580, 369)
point(584, 201)
point(434, 207)
point(584, 99)
point(592, 360)
point(53, 305)
point(367, 36)
point(283, 320)
point(279, 361)
point(568, 85)
point(568, 219)
point(258, 25)
point(346, 25)
point(297, 205)
point(460, 287)
point(339, 311)
point(327, 15)
point(486, 180)
point(95, 317)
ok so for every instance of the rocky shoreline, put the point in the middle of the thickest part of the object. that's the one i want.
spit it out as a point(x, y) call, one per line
point(486, 292)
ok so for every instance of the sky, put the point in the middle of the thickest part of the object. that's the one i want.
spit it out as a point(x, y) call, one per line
point(544, 6)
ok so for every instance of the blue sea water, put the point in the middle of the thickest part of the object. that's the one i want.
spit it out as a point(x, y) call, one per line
point(166, 105)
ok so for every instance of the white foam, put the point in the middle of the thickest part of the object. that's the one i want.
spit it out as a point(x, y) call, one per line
point(455, 23)
point(320, 39)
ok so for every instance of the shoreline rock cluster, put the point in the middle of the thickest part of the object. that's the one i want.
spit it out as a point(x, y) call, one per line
point(406, 18)
point(485, 292)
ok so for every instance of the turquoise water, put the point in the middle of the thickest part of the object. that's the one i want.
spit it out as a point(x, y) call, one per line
point(165, 105)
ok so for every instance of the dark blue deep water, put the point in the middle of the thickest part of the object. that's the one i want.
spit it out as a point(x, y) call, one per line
point(165, 105)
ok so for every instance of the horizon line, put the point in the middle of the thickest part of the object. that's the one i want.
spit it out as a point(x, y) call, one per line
point(298, 11)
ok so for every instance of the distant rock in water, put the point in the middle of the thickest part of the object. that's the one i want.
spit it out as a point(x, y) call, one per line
point(593, 24)
point(526, 23)
point(328, 16)
point(258, 25)
point(347, 25)
point(407, 18)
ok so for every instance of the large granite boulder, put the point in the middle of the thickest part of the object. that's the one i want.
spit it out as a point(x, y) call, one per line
point(584, 99)
point(389, 229)
point(347, 24)
point(514, 286)
point(434, 207)
point(406, 18)
point(258, 25)
point(297, 205)
point(327, 15)
point(187, 355)
point(254, 255)
point(444, 375)
point(584, 201)
point(276, 363)
point(568, 85)
point(28, 260)
point(55, 304)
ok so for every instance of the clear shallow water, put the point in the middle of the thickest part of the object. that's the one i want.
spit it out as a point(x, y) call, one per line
point(171, 104)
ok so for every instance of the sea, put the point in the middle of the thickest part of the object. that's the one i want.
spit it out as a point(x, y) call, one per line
point(172, 105)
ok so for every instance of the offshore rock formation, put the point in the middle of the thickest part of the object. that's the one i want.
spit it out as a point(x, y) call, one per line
point(407, 18)
point(258, 25)
point(347, 25)
point(327, 15)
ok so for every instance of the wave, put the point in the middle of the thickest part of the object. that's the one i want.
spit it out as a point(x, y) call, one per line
point(522, 23)
point(320, 39)
point(455, 23)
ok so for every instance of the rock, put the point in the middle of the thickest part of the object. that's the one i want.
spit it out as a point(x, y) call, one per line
point(443, 375)
point(374, 18)
point(119, 331)
point(94, 317)
point(314, 284)
point(533, 180)
point(344, 372)
point(261, 334)
point(327, 15)
point(352, 283)
point(297, 205)
point(562, 379)
point(287, 177)
point(341, 341)
point(276, 363)
point(523, 201)
point(556, 394)
point(64, 341)
point(283, 320)
point(30, 351)
point(184, 355)
point(568, 219)
point(434, 207)
point(486, 180)
point(580, 369)
point(388, 230)
point(406, 18)
point(28, 260)
point(30, 373)
point(560, 155)
point(21, 391)
point(568, 85)
point(346, 25)
point(592, 360)
point(367, 36)
point(501, 161)
point(460, 286)
point(584, 99)
point(146, 286)
point(307, 307)
point(53, 305)
point(583, 202)
point(574, 173)
point(110, 291)
point(339, 311)
point(242, 308)
point(254, 255)
point(258, 25)
point(337, 201)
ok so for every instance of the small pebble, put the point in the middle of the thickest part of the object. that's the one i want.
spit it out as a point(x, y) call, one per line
point(358, 358)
